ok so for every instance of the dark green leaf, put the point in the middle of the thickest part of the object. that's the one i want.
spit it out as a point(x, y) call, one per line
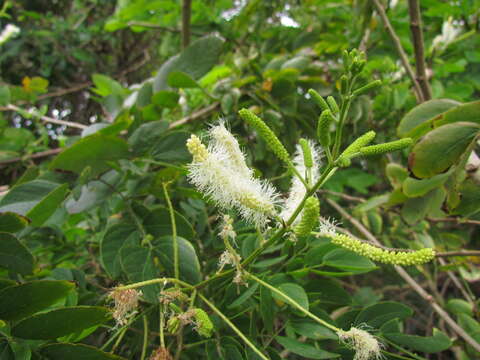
point(293, 291)
point(11, 222)
point(247, 294)
point(429, 344)
point(60, 322)
point(113, 240)
point(157, 222)
point(312, 330)
point(348, 261)
point(378, 314)
point(146, 136)
point(14, 255)
point(165, 98)
point(19, 301)
point(415, 188)
point(172, 147)
point(76, 352)
point(178, 79)
point(307, 351)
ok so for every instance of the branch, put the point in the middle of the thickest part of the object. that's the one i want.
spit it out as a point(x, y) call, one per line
point(459, 253)
point(32, 156)
point(418, 47)
point(46, 119)
point(186, 15)
point(196, 115)
point(413, 283)
point(400, 50)
point(455, 220)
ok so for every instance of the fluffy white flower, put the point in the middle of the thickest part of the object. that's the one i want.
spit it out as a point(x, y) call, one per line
point(365, 345)
point(9, 32)
point(215, 174)
point(449, 32)
point(297, 189)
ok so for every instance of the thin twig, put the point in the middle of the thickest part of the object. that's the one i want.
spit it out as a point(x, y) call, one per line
point(343, 196)
point(455, 220)
point(400, 50)
point(412, 282)
point(44, 118)
point(196, 115)
point(457, 283)
point(186, 15)
point(418, 47)
point(459, 253)
point(31, 156)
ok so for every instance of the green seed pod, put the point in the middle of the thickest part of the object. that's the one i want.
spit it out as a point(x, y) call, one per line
point(203, 322)
point(381, 255)
point(353, 148)
point(367, 88)
point(310, 214)
point(173, 324)
point(267, 134)
point(386, 147)
point(344, 84)
point(318, 99)
point(307, 153)
point(323, 128)
point(333, 104)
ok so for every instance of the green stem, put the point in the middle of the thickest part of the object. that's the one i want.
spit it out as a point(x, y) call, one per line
point(145, 337)
point(346, 101)
point(162, 325)
point(403, 350)
point(119, 339)
point(174, 232)
point(292, 302)
point(155, 281)
point(233, 327)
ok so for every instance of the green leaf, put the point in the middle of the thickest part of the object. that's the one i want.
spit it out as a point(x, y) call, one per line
point(95, 151)
point(441, 148)
point(247, 294)
point(307, 351)
point(459, 306)
point(196, 60)
point(14, 256)
point(146, 136)
point(423, 112)
point(415, 209)
point(378, 314)
point(6, 352)
point(348, 261)
point(4, 95)
point(428, 344)
point(188, 260)
point(295, 292)
point(312, 330)
point(42, 211)
point(415, 188)
point(75, 352)
point(60, 322)
point(328, 291)
point(172, 147)
point(165, 98)
point(113, 240)
point(20, 301)
point(157, 222)
point(469, 199)
point(11, 222)
point(138, 264)
point(106, 86)
point(179, 79)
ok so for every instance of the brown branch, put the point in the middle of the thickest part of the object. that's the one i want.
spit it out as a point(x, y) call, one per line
point(457, 283)
point(412, 282)
point(44, 118)
point(186, 15)
point(343, 196)
point(400, 50)
point(418, 47)
point(31, 156)
point(455, 220)
point(196, 115)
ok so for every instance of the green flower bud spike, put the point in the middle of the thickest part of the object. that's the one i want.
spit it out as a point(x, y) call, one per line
point(267, 134)
point(320, 101)
point(307, 153)
point(323, 128)
point(204, 324)
point(386, 147)
point(310, 214)
point(344, 84)
point(333, 104)
point(354, 148)
point(381, 255)
point(367, 88)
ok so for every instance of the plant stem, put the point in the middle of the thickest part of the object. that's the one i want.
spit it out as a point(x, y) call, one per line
point(344, 107)
point(410, 281)
point(418, 47)
point(174, 232)
point(145, 337)
point(162, 325)
point(155, 281)
point(186, 15)
point(400, 50)
point(233, 327)
point(292, 302)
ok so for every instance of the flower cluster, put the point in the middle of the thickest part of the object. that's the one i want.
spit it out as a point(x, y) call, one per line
point(161, 353)
point(309, 218)
point(365, 345)
point(221, 173)
point(9, 32)
point(126, 303)
point(381, 255)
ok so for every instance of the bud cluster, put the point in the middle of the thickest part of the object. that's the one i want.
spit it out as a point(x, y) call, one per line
point(125, 304)
point(365, 345)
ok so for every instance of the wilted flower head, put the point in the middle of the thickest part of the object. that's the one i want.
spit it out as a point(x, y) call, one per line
point(9, 32)
point(126, 303)
point(365, 345)
point(220, 172)
point(297, 189)
point(161, 353)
